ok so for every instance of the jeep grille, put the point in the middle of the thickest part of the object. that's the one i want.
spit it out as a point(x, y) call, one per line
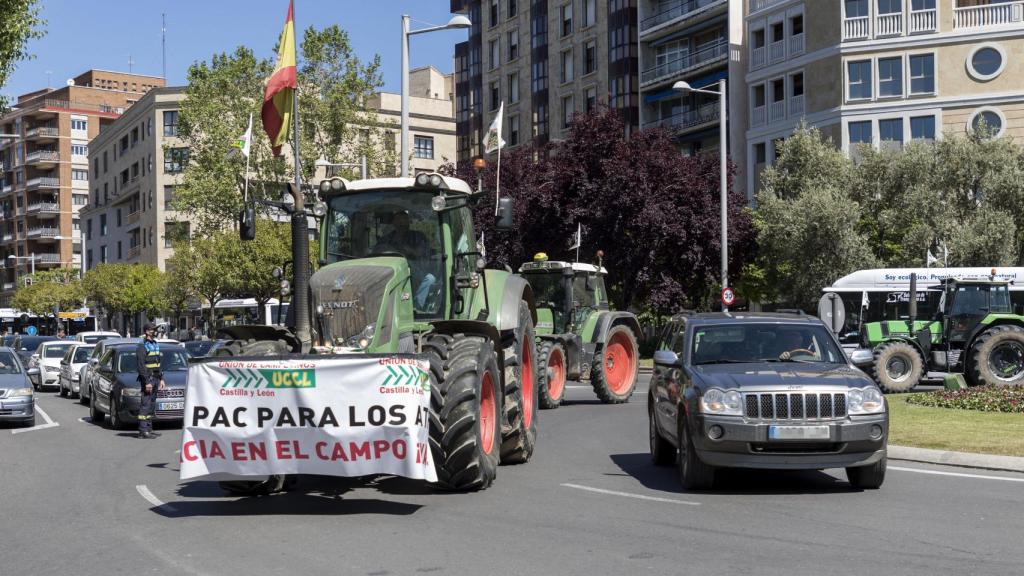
point(796, 406)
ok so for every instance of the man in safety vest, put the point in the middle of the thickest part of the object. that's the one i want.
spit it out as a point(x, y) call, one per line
point(148, 354)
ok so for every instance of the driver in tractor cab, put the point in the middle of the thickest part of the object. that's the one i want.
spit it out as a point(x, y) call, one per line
point(414, 246)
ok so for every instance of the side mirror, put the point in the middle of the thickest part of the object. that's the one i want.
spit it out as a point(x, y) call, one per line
point(247, 224)
point(666, 358)
point(93, 362)
point(503, 220)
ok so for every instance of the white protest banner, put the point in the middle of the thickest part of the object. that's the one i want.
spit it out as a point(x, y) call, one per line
point(348, 415)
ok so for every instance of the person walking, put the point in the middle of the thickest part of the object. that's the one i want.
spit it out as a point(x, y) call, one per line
point(148, 355)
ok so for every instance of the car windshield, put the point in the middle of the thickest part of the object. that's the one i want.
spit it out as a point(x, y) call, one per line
point(94, 338)
point(198, 347)
point(764, 342)
point(30, 343)
point(170, 360)
point(55, 350)
point(8, 364)
point(391, 222)
point(82, 354)
point(9, 339)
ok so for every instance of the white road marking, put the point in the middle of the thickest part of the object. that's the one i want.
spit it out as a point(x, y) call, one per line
point(152, 499)
point(630, 495)
point(49, 423)
point(958, 474)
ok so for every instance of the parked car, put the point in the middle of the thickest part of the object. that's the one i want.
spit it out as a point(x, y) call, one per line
point(71, 365)
point(26, 346)
point(117, 390)
point(88, 373)
point(17, 398)
point(44, 364)
point(95, 336)
point(762, 391)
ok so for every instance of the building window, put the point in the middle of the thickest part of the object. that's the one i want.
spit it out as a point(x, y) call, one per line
point(760, 153)
point(591, 98)
point(170, 123)
point(890, 133)
point(567, 72)
point(922, 74)
point(513, 130)
point(796, 25)
point(96, 165)
point(590, 57)
point(495, 95)
point(103, 254)
point(79, 200)
point(88, 229)
point(494, 13)
point(76, 225)
point(79, 174)
point(175, 160)
point(495, 51)
point(423, 147)
point(859, 80)
point(986, 62)
point(567, 19)
point(124, 146)
point(856, 8)
point(589, 12)
point(79, 150)
point(168, 197)
point(890, 6)
point(991, 118)
point(104, 161)
point(513, 87)
point(119, 254)
point(917, 5)
point(890, 77)
point(124, 178)
point(88, 258)
point(103, 224)
point(118, 213)
point(539, 75)
point(922, 128)
point(860, 133)
point(568, 110)
point(513, 8)
point(79, 124)
point(135, 137)
point(513, 45)
point(540, 119)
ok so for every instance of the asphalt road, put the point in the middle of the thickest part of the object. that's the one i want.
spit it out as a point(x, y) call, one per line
point(78, 498)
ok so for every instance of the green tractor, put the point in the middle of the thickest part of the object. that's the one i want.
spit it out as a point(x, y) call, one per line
point(580, 338)
point(974, 333)
point(402, 273)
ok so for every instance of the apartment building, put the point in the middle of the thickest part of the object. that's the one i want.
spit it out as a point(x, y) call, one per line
point(45, 176)
point(136, 162)
point(546, 60)
point(881, 72)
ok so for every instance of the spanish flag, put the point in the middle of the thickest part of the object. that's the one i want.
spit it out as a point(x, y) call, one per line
point(279, 97)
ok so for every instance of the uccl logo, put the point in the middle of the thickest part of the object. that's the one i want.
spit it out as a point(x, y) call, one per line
point(269, 378)
point(399, 375)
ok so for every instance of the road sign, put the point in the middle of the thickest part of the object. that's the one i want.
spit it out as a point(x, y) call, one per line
point(728, 296)
point(70, 315)
point(832, 311)
point(31, 330)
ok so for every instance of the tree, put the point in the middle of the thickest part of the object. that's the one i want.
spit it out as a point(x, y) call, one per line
point(256, 260)
point(178, 289)
point(19, 23)
point(50, 290)
point(120, 288)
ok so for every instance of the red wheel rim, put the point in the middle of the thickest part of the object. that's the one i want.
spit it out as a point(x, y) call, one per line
point(619, 364)
point(527, 383)
point(488, 413)
point(556, 373)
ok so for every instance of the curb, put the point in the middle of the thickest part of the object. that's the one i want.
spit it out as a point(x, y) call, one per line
point(962, 459)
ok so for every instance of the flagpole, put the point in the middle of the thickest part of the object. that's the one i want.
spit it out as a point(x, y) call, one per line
point(579, 240)
point(245, 193)
point(497, 181)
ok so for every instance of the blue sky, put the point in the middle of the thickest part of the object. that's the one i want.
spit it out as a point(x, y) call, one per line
point(83, 34)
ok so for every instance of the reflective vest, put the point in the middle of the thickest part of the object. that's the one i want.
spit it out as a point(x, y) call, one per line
point(152, 359)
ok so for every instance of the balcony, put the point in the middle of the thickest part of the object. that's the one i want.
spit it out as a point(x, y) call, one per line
point(133, 218)
point(134, 252)
point(675, 11)
point(8, 286)
point(757, 57)
point(42, 133)
point(796, 44)
point(922, 21)
point(796, 106)
point(44, 233)
point(758, 5)
point(51, 105)
point(988, 15)
point(47, 258)
point(889, 25)
point(44, 209)
point(7, 189)
point(42, 157)
point(686, 63)
point(757, 116)
point(856, 28)
point(777, 111)
point(7, 237)
point(688, 119)
point(42, 182)
point(777, 51)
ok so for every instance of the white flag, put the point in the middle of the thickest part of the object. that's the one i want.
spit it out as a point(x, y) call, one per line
point(493, 141)
point(864, 300)
point(245, 140)
point(931, 259)
point(578, 240)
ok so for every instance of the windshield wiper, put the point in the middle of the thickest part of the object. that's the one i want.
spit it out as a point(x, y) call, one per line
point(723, 361)
point(341, 255)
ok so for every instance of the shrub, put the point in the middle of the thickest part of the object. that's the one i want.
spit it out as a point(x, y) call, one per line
point(982, 399)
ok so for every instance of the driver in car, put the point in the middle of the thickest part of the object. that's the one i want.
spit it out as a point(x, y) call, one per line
point(414, 246)
point(790, 342)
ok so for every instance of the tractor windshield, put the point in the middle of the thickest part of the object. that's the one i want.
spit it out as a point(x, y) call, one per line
point(979, 300)
point(549, 292)
point(390, 223)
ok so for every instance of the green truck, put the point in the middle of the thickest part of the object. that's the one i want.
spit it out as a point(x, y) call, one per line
point(580, 337)
point(975, 333)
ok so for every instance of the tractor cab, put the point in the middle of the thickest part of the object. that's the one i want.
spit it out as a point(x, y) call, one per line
point(965, 303)
point(566, 293)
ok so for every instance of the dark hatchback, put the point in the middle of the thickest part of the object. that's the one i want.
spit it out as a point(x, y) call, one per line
point(117, 390)
point(751, 390)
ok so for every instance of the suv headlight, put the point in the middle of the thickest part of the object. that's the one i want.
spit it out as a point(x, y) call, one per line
point(867, 400)
point(131, 392)
point(715, 401)
point(52, 369)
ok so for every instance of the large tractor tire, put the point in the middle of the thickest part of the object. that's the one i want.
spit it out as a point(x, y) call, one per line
point(551, 372)
point(519, 426)
point(616, 366)
point(997, 356)
point(898, 367)
point(276, 482)
point(465, 410)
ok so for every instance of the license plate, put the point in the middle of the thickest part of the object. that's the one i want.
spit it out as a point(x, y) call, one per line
point(798, 433)
point(170, 406)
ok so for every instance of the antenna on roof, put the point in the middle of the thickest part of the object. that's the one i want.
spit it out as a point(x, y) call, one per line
point(163, 44)
point(130, 62)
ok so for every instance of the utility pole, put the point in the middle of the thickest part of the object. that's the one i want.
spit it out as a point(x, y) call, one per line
point(163, 44)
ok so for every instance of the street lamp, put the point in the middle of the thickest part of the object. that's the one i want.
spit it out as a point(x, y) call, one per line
point(456, 23)
point(31, 259)
point(684, 88)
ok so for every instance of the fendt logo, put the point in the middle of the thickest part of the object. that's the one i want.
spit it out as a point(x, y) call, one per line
point(399, 375)
point(272, 378)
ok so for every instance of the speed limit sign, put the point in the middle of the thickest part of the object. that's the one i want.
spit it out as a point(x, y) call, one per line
point(728, 296)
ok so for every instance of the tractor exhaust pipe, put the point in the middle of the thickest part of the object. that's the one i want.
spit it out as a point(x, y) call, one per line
point(912, 305)
point(300, 268)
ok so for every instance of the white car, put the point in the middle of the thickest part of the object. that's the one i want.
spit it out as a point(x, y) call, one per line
point(46, 360)
point(71, 365)
point(95, 336)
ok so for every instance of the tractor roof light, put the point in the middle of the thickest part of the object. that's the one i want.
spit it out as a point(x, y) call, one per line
point(438, 203)
point(335, 184)
point(540, 257)
point(319, 209)
point(479, 164)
